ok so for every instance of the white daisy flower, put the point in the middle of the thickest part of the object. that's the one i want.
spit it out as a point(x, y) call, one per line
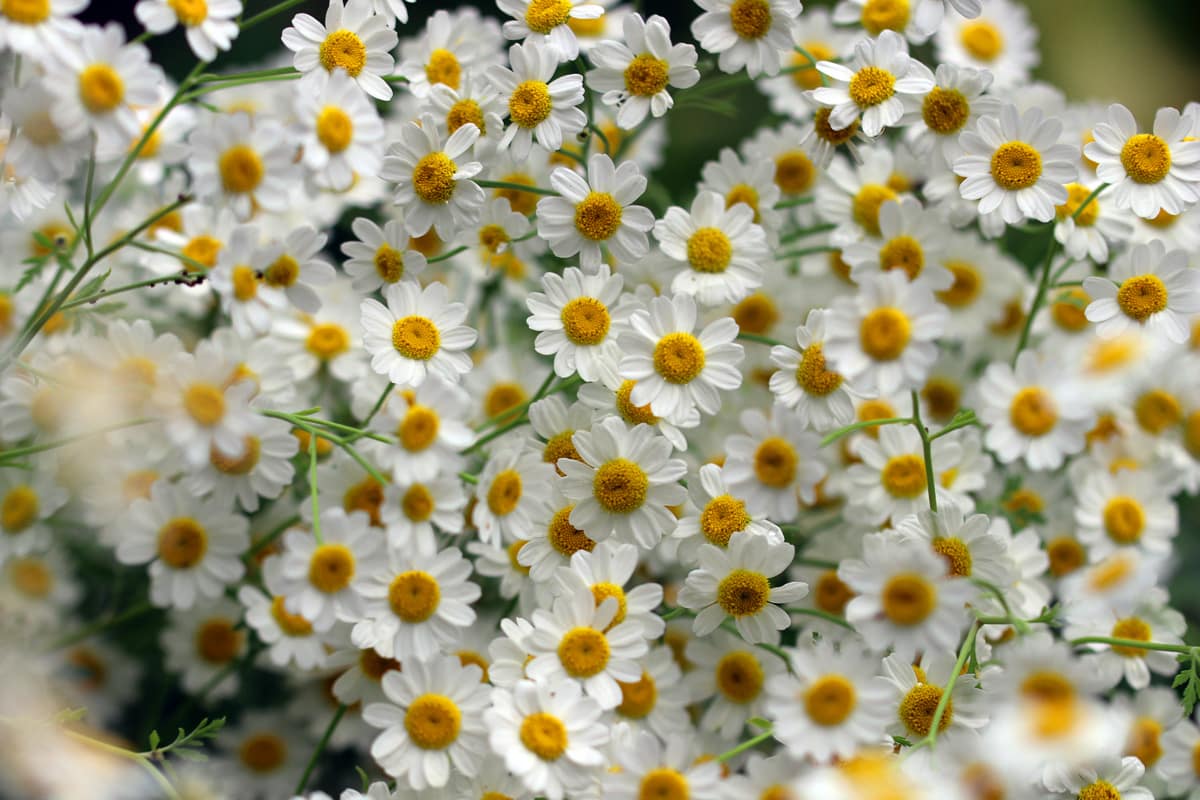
point(1151, 620)
point(194, 546)
point(734, 674)
point(830, 703)
point(538, 104)
point(39, 144)
point(417, 510)
point(623, 483)
point(879, 86)
point(574, 317)
point(27, 501)
point(264, 750)
point(353, 38)
point(596, 212)
point(804, 383)
point(38, 28)
point(264, 469)
point(634, 74)
point(328, 341)
point(905, 599)
point(1087, 231)
point(891, 481)
point(433, 189)
point(512, 486)
point(1125, 508)
point(719, 515)
point(747, 33)
point(553, 540)
point(549, 735)
point(1178, 763)
point(200, 644)
point(853, 194)
point(644, 767)
point(610, 397)
point(721, 249)
point(967, 544)
point(1013, 163)
point(999, 38)
point(910, 240)
point(418, 333)
point(243, 162)
point(775, 465)
point(202, 411)
point(1030, 413)
point(1119, 776)
point(248, 302)
point(475, 100)
point(211, 25)
point(291, 266)
point(432, 719)
point(322, 580)
point(915, 690)
point(341, 132)
point(657, 701)
point(875, 16)
point(1148, 287)
point(359, 674)
point(380, 256)
point(289, 637)
point(735, 582)
point(884, 338)
point(748, 181)
point(547, 23)
point(604, 571)
point(428, 424)
point(1115, 583)
point(452, 46)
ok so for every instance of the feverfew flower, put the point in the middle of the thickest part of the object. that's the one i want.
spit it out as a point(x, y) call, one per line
point(380, 256)
point(547, 23)
point(419, 332)
point(342, 134)
point(513, 485)
point(719, 517)
point(574, 320)
point(353, 38)
point(210, 24)
point(634, 74)
point(1147, 287)
point(819, 396)
point(432, 187)
point(538, 104)
point(243, 162)
point(747, 33)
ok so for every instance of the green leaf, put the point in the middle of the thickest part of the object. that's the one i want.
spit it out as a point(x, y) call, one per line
point(154, 740)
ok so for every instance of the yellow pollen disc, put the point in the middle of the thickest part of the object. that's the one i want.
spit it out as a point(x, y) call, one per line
point(750, 19)
point(263, 753)
point(646, 75)
point(1145, 741)
point(709, 250)
point(908, 599)
point(598, 216)
point(981, 39)
point(945, 111)
point(1146, 158)
point(1124, 519)
point(1011, 322)
point(1157, 410)
point(722, 517)
point(638, 698)
point(343, 49)
point(433, 721)
point(503, 396)
point(678, 357)
point(1100, 790)
point(416, 338)
point(1191, 434)
point(827, 133)
point(743, 193)
point(543, 16)
point(335, 129)
point(591, 28)
point(1065, 555)
point(25, 12)
point(831, 594)
point(433, 178)
point(775, 462)
point(904, 476)
point(468, 657)
point(205, 403)
point(629, 412)
point(428, 244)
point(465, 111)
point(419, 428)
point(327, 340)
point(414, 596)
point(829, 700)
point(1025, 500)
point(794, 172)
point(956, 555)
point(743, 593)
point(1033, 411)
point(564, 537)
point(918, 707)
point(739, 677)
point(544, 735)
point(417, 503)
point(1162, 220)
point(331, 568)
point(375, 666)
point(530, 104)
point(871, 86)
point(560, 446)
point(663, 783)
point(903, 253)
point(189, 12)
point(492, 238)
point(514, 550)
point(243, 464)
point(202, 249)
point(443, 67)
point(101, 89)
point(282, 272)
point(521, 201)
point(757, 313)
point(217, 641)
point(604, 590)
point(968, 284)
point(241, 169)
point(620, 486)
point(583, 652)
point(884, 15)
point(291, 624)
point(1142, 296)
point(942, 397)
point(19, 509)
point(866, 203)
point(884, 333)
point(585, 321)
point(1076, 194)
point(505, 492)
point(1016, 165)
point(245, 283)
point(1047, 687)
point(809, 77)
point(389, 263)
point(31, 577)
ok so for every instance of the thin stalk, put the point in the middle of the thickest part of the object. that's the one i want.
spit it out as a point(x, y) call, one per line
point(100, 625)
point(272, 535)
point(746, 745)
point(1134, 643)
point(520, 187)
point(17, 452)
point(968, 647)
point(927, 447)
point(806, 251)
point(129, 287)
point(312, 486)
point(825, 615)
point(754, 337)
point(263, 16)
point(867, 423)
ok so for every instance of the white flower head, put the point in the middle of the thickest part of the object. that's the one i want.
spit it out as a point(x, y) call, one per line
point(539, 105)
point(210, 24)
point(1148, 287)
point(353, 38)
point(547, 23)
point(433, 188)
point(419, 332)
point(747, 33)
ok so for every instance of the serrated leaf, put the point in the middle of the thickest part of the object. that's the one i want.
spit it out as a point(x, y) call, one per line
point(191, 755)
point(93, 285)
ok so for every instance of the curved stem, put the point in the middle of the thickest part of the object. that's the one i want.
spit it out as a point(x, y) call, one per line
point(927, 447)
point(746, 745)
point(1132, 643)
point(866, 423)
point(520, 187)
point(825, 615)
point(321, 745)
point(754, 337)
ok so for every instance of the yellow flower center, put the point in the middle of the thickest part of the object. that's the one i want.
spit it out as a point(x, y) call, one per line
point(1033, 411)
point(564, 537)
point(433, 178)
point(757, 313)
point(968, 283)
point(1016, 165)
point(433, 721)
point(1142, 296)
point(419, 428)
point(100, 88)
point(871, 86)
point(521, 201)
point(1145, 741)
point(866, 203)
point(335, 129)
point(530, 104)
point(583, 652)
point(794, 172)
point(342, 49)
point(245, 283)
point(505, 492)
point(282, 272)
point(417, 503)
point(375, 666)
point(722, 517)
point(588, 27)
point(831, 593)
point(327, 340)
point(1068, 309)
point(1146, 158)
point(905, 253)
point(465, 111)
point(981, 39)
point(217, 641)
point(598, 216)
point(884, 15)
point(809, 77)
point(743, 593)
point(31, 577)
point(1065, 555)
point(646, 75)
point(1100, 790)
point(560, 446)
point(241, 169)
point(827, 133)
point(739, 677)
point(945, 111)
point(251, 447)
point(884, 333)
point(620, 486)
point(908, 598)
point(416, 337)
point(1157, 410)
point(1076, 194)
point(25, 12)
point(585, 321)
point(942, 397)
point(709, 250)
point(829, 700)
point(291, 624)
point(956, 555)
point(492, 238)
point(663, 783)
point(743, 193)
point(543, 16)
point(678, 357)
point(468, 657)
point(604, 590)
point(544, 734)
point(638, 698)
point(331, 568)
point(414, 596)
point(918, 707)
point(629, 412)
point(1191, 434)
point(1124, 519)
point(502, 397)
point(389, 263)
point(1130, 628)
point(263, 753)
point(775, 462)
point(750, 19)
point(19, 509)
point(205, 403)
point(443, 67)
point(904, 476)
point(202, 249)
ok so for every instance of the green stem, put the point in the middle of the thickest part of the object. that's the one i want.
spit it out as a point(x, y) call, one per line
point(806, 251)
point(746, 745)
point(100, 625)
point(520, 187)
point(468, 478)
point(795, 201)
point(271, 536)
point(857, 426)
point(312, 486)
point(448, 254)
point(251, 75)
point(1087, 201)
point(198, 270)
point(278, 8)
point(1133, 643)
point(101, 294)
point(54, 445)
point(927, 447)
point(968, 647)
point(503, 429)
point(825, 615)
point(754, 337)
point(142, 761)
point(792, 236)
point(321, 745)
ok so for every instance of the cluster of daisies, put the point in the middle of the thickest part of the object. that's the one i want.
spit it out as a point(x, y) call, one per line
point(381, 400)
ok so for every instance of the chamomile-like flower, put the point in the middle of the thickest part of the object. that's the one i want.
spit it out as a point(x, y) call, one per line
point(353, 38)
point(1150, 620)
point(35, 29)
point(732, 675)
point(647, 768)
point(202, 411)
point(891, 481)
point(774, 465)
point(242, 162)
point(210, 24)
point(574, 317)
point(380, 255)
point(512, 486)
point(342, 134)
point(747, 33)
point(604, 571)
point(419, 332)
point(26, 502)
point(548, 23)
point(910, 240)
point(430, 429)
point(634, 74)
point(1125, 508)
point(289, 637)
point(291, 265)
point(804, 383)
point(200, 644)
point(967, 544)
point(718, 518)
point(999, 38)
point(1085, 231)
point(539, 105)
point(1148, 287)
point(263, 470)
point(1112, 775)
point(432, 186)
